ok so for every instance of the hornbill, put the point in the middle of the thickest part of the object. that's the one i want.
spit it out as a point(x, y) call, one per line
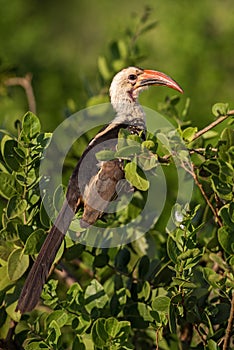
point(98, 180)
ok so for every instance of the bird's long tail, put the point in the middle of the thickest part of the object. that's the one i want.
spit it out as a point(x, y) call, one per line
point(32, 288)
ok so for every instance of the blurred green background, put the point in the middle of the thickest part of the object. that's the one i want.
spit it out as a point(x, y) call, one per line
point(60, 42)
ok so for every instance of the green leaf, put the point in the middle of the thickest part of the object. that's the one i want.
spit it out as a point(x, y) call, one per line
point(128, 151)
point(74, 292)
point(101, 331)
point(226, 213)
point(5, 249)
point(190, 253)
point(210, 134)
point(112, 326)
point(54, 332)
point(24, 232)
point(95, 296)
point(149, 144)
point(8, 186)
point(218, 260)
point(172, 250)
point(59, 316)
point(105, 155)
point(122, 48)
point(186, 108)
point(84, 322)
point(103, 68)
point(212, 277)
point(78, 344)
point(143, 291)
point(147, 161)
point(4, 278)
point(228, 136)
point(136, 177)
point(212, 345)
point(220, 313)
point(44, 217)
point(219, 109)
point(49, 289)
point(36, 345)
point(9, 232)
point(183, 283)
point(122, 136)
point(4, 139)
point(34, 242)
point(11, 303)
point(101, 260)
point(164, 140)
point(122, 259)
point(99, 334)
point(144, 311)
point(16, 206)
point(43, 139)
point(134, 139)
point(213, 167)
point(161, 304)
point(189, 133)
point(172, 317)
point(124, 330)
point(143, 267)
point(31, 127)
point(226, 239)
point(11, 157)
point(138, 314)
point(223, 189)
point(17, 264)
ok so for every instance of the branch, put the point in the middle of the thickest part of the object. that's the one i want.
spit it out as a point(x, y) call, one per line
point(229, 326)
point(201, 150)
point(212, 125)
point(202, 337)
point(26, 84)
point(193, 174)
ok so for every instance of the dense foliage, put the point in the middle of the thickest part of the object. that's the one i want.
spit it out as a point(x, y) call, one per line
point(170, 289)
point(165, 289)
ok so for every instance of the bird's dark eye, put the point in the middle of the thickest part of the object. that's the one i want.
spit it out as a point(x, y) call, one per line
point(132, 77)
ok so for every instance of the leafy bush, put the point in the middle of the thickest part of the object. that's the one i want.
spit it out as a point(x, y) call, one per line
point(165, 289)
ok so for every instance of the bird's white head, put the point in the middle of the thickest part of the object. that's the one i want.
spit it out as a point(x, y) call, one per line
point(129, 82)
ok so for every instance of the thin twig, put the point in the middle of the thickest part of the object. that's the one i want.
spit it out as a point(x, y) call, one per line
point(201, 150)
point(229, 326)
point(212, 125)
point(157, 339)
point(205, 197)
point(203, 339)
point(26, 84)
point(192, 172)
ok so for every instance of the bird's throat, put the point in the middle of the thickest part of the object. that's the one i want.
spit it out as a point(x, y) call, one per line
point(129, 112)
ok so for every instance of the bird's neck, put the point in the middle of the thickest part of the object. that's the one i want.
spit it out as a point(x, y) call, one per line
point(129, 111)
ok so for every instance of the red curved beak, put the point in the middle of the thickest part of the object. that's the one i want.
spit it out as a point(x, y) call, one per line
point(152, 77)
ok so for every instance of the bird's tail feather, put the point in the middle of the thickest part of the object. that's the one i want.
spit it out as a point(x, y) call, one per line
point(32, 288)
